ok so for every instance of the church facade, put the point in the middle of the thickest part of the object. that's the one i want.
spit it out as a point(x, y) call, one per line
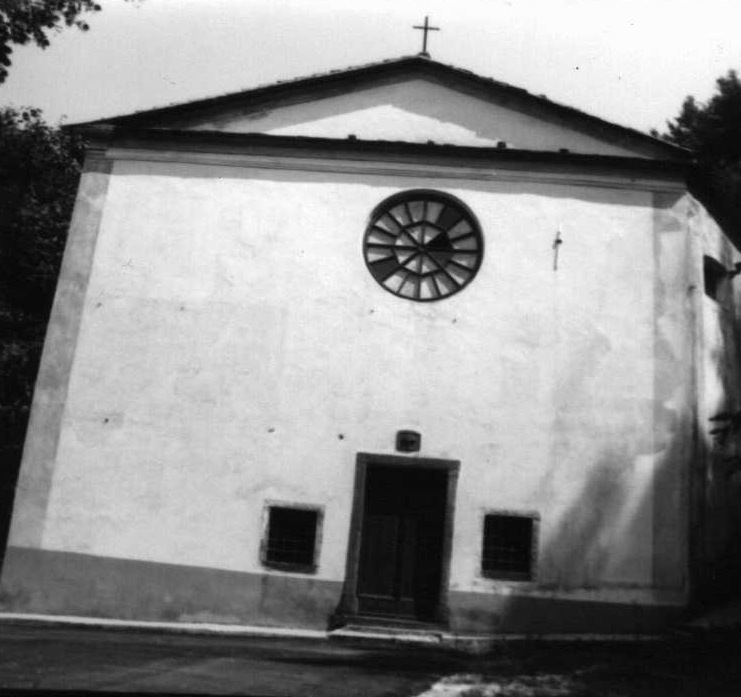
point(393, 344)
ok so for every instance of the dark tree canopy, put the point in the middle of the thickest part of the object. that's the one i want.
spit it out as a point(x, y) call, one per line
point(39, 172)
point(713, 131)
point(23, 21)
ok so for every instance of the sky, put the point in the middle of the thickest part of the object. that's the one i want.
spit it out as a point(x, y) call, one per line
point(629, 61)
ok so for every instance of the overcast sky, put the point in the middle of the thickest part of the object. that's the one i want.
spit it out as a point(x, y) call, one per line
point(629, 61)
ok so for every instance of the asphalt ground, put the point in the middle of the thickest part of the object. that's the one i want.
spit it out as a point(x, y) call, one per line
point(52, 658)
point(49, 660)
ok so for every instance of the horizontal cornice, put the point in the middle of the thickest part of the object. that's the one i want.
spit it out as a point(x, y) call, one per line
point(383, 157)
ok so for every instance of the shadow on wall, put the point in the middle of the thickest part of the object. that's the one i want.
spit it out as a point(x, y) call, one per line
point(613, 563)
point(624, 535)
point(719, 495)
point(674, 509)
point(605, 535)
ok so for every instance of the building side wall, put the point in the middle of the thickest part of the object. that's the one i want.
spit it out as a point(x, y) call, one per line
point(234, 349)
point(718, 524)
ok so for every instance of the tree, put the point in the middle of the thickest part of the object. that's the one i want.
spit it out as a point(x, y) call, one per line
point(39, 173)
point(713, 131)
point(22, 21)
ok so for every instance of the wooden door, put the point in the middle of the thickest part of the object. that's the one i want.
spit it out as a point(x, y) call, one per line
point(402, 539)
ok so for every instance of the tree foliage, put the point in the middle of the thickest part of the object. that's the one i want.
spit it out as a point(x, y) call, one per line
point(24, 21)
point(713, 131)
point(39, 172)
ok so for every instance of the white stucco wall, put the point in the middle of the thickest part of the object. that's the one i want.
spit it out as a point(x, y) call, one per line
point(413, 111)
point(235, 349)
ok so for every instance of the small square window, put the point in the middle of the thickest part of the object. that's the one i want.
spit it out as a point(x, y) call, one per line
point(290, 540)
point(715, 278)
point(508, 546)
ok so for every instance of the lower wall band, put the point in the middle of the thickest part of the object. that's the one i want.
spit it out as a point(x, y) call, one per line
point(51, 582)
point(66, 583)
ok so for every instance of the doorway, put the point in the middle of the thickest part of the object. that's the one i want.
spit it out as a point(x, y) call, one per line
point(398, 561)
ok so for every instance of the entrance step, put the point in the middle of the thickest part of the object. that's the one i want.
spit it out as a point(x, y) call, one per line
point(389, 629)
point(406, 623)
point(361, 633)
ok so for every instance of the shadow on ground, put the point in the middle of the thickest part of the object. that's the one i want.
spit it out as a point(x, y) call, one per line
point(45, 659)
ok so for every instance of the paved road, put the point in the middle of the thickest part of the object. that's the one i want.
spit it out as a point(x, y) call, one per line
point(55, 658)
point(90, 659)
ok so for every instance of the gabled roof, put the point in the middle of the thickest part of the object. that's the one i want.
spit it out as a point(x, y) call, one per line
point(353, 79)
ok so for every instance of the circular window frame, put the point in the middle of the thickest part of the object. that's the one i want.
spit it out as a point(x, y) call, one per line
point(453, 282)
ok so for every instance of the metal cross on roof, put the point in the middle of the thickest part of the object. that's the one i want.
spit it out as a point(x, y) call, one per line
point(425, 28)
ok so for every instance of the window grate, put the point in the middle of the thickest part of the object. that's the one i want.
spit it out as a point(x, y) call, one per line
point(508, 547)
point(291, 536)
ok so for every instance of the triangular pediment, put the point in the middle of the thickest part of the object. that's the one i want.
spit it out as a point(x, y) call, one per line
point(416, 111)
point(411, 100)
